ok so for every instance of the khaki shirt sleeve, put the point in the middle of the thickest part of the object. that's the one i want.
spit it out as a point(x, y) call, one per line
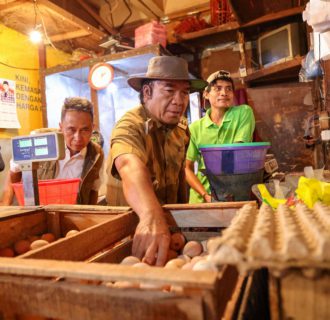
point(127, 138)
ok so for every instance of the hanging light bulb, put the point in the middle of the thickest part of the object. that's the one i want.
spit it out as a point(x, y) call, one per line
point(35, 36)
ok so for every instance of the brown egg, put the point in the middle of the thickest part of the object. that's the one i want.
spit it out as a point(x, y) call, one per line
point(175, 264)
point(152, 286)
point(185, 258)
point(7, 252)
point(38, 244)
point(187, 266)
point(177, 241)
point(176, 289)
point(130, 260)
point(108, 284)
point(171, 254)
point(71, 233)
point(192, 249)
point(204, 265)
point(48, 237)
point(22, 246)
point(33, 238)
point(196, 259)
point(141, 265)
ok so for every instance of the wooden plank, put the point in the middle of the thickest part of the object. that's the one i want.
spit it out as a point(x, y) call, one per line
point(204, 218)
point(70, 35)
point(155, 49)
point(9, 6)
point(141, 7)
point(12, 211)
point(54, 224)
point(213, 205)
point(114, 255)
point(226, 287)
point(86, 208)
point(271, 70)
point(97, 17)
point(77, 221)
point(73, 300)
point(206, 214)
point(274, 298)
point(206, 32)
point(305, 298)
point(205, 280)
point(87, 242)
point(95, 102)
point(275, 16)
point(20, 227)
point(159, 12)
point(235, 300)
point(66, 16)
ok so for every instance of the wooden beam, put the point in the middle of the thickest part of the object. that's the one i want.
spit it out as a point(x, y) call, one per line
point(95, 102)
point(97, 17)
point(153, 7)
point(271, 70)
point(11, 5)
point(205, 32)
point(70, 35)
point(65, 15)
point(274, 16)
point(139, 6)
point(106, 272)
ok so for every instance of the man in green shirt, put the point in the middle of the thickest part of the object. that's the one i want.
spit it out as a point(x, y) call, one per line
point(222, 124)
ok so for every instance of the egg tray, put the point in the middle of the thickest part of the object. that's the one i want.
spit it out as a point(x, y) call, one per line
point(72, 271)
point(280, 240)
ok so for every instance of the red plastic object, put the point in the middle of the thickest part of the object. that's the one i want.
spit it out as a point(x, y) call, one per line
point(150, 33)
point(220, 12)
point(55, 191)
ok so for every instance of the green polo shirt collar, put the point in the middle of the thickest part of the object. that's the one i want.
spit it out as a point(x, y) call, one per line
point(208, 122)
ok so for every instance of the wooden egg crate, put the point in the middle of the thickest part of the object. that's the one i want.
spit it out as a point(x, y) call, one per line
point(72, 278)
point(23, 224)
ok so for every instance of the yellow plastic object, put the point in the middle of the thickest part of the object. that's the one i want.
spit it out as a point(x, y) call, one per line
point(313, 190)
point(267, 198)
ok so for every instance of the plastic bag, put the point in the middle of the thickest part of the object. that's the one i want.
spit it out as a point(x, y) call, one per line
point(312, 190)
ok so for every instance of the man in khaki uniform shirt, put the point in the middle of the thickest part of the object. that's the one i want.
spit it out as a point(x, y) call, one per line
point(148, 147)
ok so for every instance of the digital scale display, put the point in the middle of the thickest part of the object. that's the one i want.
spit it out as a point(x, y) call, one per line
point(42, 147)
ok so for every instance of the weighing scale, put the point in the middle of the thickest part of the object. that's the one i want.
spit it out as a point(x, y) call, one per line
point(28, 151)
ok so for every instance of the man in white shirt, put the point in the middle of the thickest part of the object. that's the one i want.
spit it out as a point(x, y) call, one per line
point(83, 158)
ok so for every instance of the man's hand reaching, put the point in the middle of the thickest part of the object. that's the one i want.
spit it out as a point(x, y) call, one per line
point(151, 241)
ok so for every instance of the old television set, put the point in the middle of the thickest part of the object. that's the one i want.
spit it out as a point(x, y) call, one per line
point(280, 45)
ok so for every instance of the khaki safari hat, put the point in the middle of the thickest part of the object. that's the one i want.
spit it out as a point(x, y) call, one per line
point(167, 68)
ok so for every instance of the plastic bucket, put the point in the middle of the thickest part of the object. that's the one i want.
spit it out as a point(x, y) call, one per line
point(55, 191)
point(237, 158)
point(234, 187)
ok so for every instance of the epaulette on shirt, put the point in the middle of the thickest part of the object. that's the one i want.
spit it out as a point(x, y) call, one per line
point(183, 123)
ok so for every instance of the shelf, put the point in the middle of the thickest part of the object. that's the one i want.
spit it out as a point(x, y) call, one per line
point(234, 25)
point(208, 31)
point(281, 70)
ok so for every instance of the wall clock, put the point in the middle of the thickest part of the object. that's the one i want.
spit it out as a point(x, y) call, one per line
point(100, 75)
